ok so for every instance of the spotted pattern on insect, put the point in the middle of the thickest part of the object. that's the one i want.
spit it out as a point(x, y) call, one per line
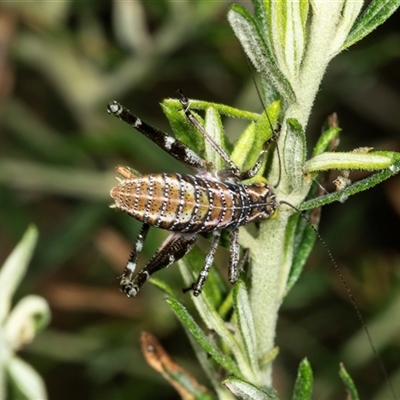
point(192, 203)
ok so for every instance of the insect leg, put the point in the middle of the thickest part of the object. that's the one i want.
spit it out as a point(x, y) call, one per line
point(256, 167)
point(129, 270)
point(173, 146)
point(127, 172)
point(174, 248)
point(185, 105)
point(233, 273)
point(198, 285)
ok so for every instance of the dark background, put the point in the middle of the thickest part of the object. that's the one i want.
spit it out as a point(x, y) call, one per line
point(60, 64)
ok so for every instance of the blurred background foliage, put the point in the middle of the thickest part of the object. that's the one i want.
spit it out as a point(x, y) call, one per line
point(60, 64)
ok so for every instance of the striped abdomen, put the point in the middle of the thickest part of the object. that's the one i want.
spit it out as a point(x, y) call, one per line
point(193, 203)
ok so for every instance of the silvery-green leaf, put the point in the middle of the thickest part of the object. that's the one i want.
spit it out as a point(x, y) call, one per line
point(188, 321)
point(26, 380)
point(245, 324)
point(377, 12)
point(372, 161)
point(247, 391)
point(248, 32)
point(29, 316)
point(14, 269)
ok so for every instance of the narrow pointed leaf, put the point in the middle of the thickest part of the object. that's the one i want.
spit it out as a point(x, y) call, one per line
point(294, 153)
point(304, 382)
point(325, 140)
point(252, 40)
point(164, 287)
point(241, 303)
point(27, 381)
point(346, 378)
point(304, 240)
point(357, 187)
point(376, 14)
point(372, 161)
point(247, 391)
point(210, 368)
point(250, 143)
point(287, 30)
point(208, 310)
point(188, 321)
point(14, 269)
point(214, 128)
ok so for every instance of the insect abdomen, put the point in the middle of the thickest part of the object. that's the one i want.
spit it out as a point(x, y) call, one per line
point(192, 203)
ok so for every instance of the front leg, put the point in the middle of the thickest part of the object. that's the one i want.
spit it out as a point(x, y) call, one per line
point(173, 249)
point(172, 146)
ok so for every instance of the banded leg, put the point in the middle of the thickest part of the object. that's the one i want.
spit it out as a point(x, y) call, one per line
point(250, 173)
point(172, 146)
point(129, 270)
point(234, 169)
point(173, 249)
point(233, 273)
point(198, 285)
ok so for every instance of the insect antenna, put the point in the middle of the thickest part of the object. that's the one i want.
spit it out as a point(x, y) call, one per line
point(351, 296)
point(275, 132)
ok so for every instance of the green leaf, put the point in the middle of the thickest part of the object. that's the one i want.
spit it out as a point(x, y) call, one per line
point(164, 287)
point(348, 383)
point(244, 314)
point(210, 368)
point(304, 382)
point(243, 147)
point(287, 32)
point(15, 268)
point(183, 129)
point(376, 14)
point(203, 340)
point(252, 39)
point(372, 161)
point(250, 143)
point(324, 140)
point(213, 126)
point(247, 391)
point(26, 380)
point(222, 109)
point(208, 310)
point(294, 153)
point(357, 187)
point(303, 243)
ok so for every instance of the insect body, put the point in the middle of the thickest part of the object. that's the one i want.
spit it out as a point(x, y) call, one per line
point(193, 203)
point(188, 205)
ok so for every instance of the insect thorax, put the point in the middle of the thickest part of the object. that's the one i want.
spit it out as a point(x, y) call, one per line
point(193, 203)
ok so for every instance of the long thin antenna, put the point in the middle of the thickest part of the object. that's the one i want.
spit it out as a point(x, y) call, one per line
point(273, 131)
point(350, 294)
